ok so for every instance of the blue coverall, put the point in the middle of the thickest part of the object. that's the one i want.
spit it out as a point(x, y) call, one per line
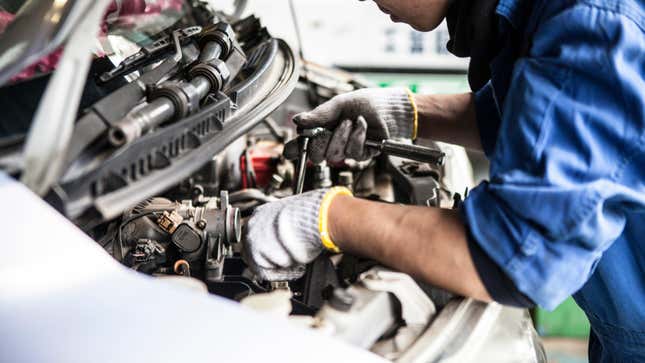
point(563, 124)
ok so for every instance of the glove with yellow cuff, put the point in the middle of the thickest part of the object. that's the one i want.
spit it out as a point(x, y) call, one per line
point(283, 236)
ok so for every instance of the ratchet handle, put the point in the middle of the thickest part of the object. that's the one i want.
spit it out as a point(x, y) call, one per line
point(408, 151)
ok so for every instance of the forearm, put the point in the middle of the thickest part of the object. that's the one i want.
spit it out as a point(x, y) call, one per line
point(428, 243)
point(449, 118)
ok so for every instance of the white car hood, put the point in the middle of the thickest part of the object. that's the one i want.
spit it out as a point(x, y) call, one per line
point(64, 299)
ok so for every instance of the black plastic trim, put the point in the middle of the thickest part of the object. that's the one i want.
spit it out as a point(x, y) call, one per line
point(162, 159)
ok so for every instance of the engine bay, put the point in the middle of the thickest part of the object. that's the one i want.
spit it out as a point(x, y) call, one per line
point(187, 140)
point(195, 231)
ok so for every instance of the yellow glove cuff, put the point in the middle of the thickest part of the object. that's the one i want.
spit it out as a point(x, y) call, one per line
point(415, 120)
point(323, 216)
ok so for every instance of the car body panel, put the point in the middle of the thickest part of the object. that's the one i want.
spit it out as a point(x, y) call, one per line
point(64, 299)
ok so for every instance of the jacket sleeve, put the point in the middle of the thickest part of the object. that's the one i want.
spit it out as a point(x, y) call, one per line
point(488, 117)
point(562, 168)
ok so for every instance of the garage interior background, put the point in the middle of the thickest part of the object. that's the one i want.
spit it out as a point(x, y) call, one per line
point(356, 36)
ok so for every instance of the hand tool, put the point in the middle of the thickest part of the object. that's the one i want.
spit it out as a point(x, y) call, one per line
point(408, 151)
point(305, 136)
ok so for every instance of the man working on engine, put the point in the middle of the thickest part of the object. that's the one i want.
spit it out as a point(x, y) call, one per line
point(558, 105)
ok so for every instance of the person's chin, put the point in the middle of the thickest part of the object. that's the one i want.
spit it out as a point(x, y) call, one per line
point(417, 27)
point(421, 27)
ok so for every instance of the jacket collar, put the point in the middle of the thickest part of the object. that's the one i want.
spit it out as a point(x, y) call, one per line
point(515, 11)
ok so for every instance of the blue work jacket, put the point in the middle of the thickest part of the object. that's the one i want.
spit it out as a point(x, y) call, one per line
point(562, 121)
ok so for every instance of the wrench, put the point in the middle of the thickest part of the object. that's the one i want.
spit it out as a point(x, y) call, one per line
point(305, 136)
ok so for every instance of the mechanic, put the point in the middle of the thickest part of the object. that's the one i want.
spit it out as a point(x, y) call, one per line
point(558, 106)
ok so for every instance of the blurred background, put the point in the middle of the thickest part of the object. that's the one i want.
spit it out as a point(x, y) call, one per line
point(357, 37)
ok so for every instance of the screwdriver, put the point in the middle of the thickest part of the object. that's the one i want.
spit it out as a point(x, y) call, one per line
point(304, 137)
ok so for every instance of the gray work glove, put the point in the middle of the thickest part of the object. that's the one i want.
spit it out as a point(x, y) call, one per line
point(281, 237)
point(372, 113)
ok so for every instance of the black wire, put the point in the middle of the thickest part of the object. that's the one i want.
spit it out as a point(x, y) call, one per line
point(274, 129)
point(109, 235)
point(132, 218)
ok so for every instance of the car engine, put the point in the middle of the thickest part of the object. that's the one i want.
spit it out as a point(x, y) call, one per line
point(186, 140)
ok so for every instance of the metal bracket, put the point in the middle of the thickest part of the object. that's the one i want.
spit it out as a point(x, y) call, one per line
point(149, 54)
point(416, 306)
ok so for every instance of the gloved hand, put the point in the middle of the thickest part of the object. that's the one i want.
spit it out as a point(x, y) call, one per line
point(372, 113)
point(281, 237)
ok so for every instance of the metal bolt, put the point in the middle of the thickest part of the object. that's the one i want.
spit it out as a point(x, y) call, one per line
point(280, 285)
point(276, 181)
point(346, 179)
